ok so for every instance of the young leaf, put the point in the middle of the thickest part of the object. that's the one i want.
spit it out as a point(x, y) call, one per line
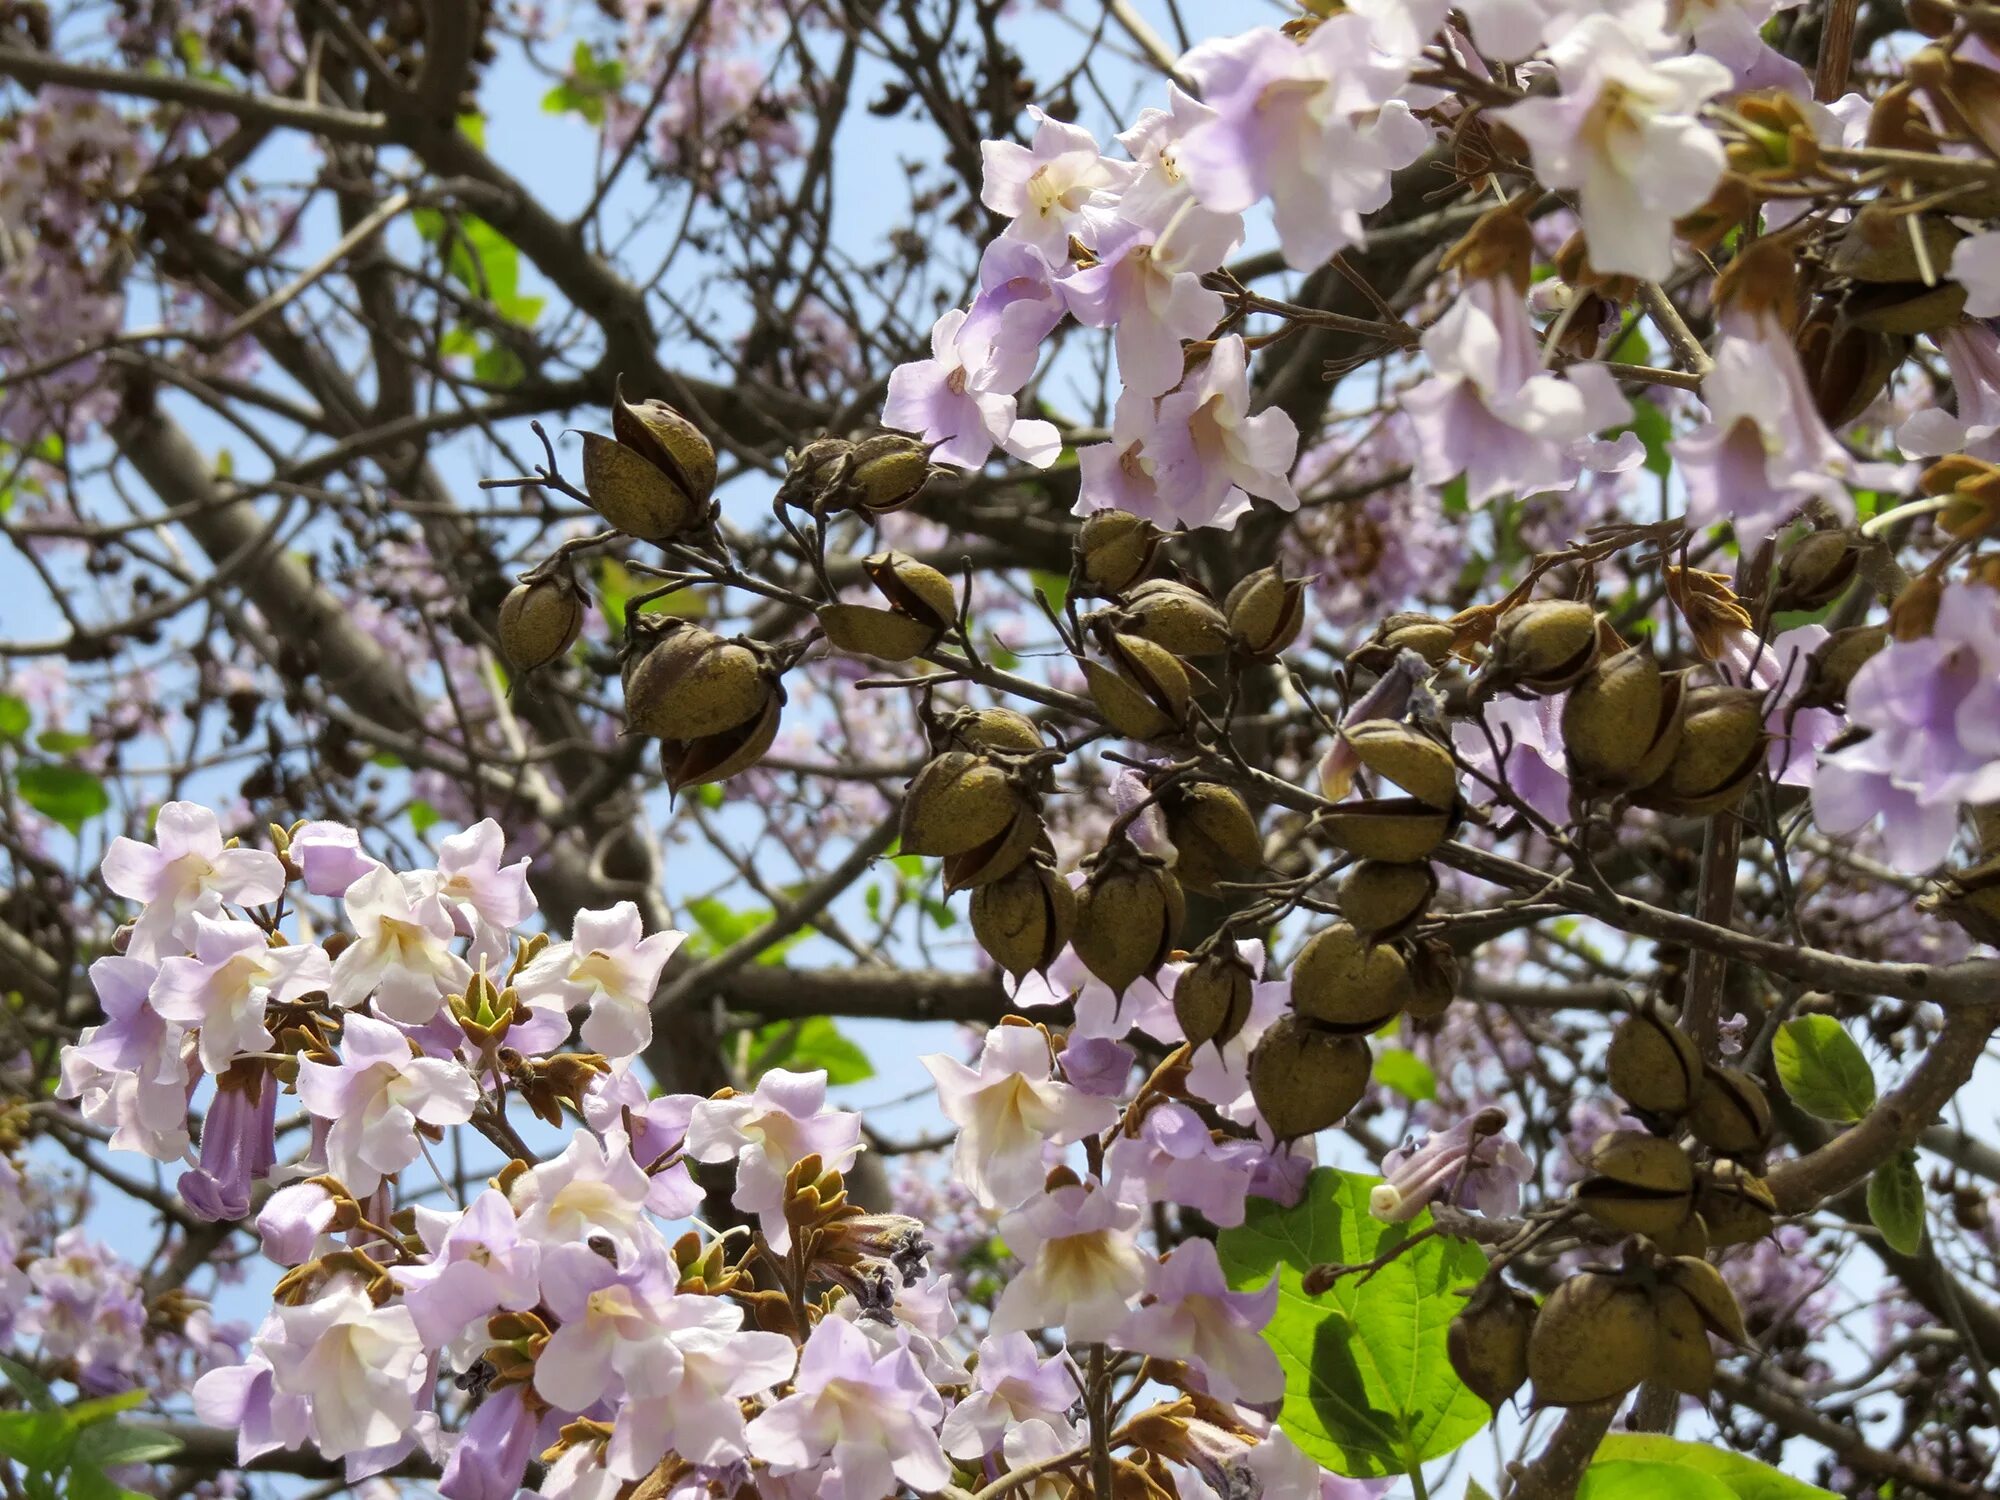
point(1408, 1074)
point(112, 1443)
point(1745, 1478)
point(15, 717)
point(1625, 1480)
point(1896, 1203)
point(1369, 1388)
point(1823, 1070)
point(72, 797)
point(37, 1439)
point(33, 1389)
point(805, 1045)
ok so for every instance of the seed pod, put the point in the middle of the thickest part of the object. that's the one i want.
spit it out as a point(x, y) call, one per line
point(1722, 745)
point(1407, 757)
point(1542, 646)
point(1653, 1065)
point(1213, 830)
point(999, 856)
point(1622, 723)
point(1832, 666)
point(1736, 1205)
point(1266, 613)
point(886, 472)
point(1639, 1184)
point(1908, 309)
point(1348, 984)
point(1114, 549)
point(668, 441)
point(1382, 899)
point(913, 588)
point(994, 729)
point(1304, 1078)
point(1816, 570)
point(1846, 367)
point(1731, 1114)
point(717, 757)
point(1212, 998)
point(1401, 830)
point(1429, 637)
point(1144, 693)
point(1595, 1337)
point(1684, 1362)
point(686, 683)
point(1971, 898)
point(883, 634)
point(1128, 918)
point(1024, 919)
point(1177, 616)
point(1878, 245)
point(1710, 1294)
point(1487, 1343)
point(539, 621)
point(633, 494)
point(958, 801)
point(1433, 979)
point(1689, 1237)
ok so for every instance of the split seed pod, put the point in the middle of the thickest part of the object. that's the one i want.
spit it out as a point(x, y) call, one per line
point(1212, 998)
point(1433, 967)
point(1266, 613)
point(1653, 1065)
point(1305, 1078)
point(1408, 757)
point(1542, 646)
point(1114, 549)
point(1487, 1343)
point(1736, 1205)
point(539, 621)
point(1971, 898)
point(1595, 1337)
point(1144, 692)
point(1622, 723)
point(654, 476)
point(1382, 899)
point(1731, 1113)
point(1832, 665)
point(1398, 829)
point(1177, 616)
point(957, 802)
point(1024, 919)
point(1722, 745)
point(1429, 637)
point(1816, 570)
point(717, 757)
point(1684, 1362)
point(1347, 983)
point(922, 604)
point(1639, 1184)
point(686, 683)
point(888, 470)
point(993, 729)
point(999, 856)
point(1128, 917)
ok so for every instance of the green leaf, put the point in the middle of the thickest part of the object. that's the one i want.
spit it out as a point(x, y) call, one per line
point(802, 1046)
point(1474, 1490)
point(15, 717)
point(422, 815)
point(113, 1443)
point(1624, 1480)
point(1742, 1478)
point(104, 1408)
point(1054, 587)
point(1655, 432)
point(70, 796)
point(31, 1386)
point(1369, 1388)
point(1822, 1068)
point(1896, 1203)
point(63, 741)
point(1405, 1072)
point(37, 1439)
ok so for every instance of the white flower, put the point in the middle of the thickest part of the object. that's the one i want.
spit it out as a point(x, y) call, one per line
point(188, 870)
point(358, 1365)
point(1083, 1265)
point(613, 967)
point(401, 951)
point(1008, 1109)
point(375, 1099)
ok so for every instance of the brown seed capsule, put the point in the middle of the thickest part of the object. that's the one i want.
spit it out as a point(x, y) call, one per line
point(668, 441)
point(887, 471)
point(1429, 637)
point(883, 634)
point(1816, 570)
point(1971, 898)
point(1542, 646)
point(1398, 829)
point(1145, 691)
point(1881, 244)
point(1487, 1343)
point(1622, 723)
point(685, 683)
point(1114, 549)
point(1347, 983)
point(1846, 367)
point(1433, 979)
point(1177, 616)
point(1832, 666)
point(1736, 1205)
point(1304, 1078)
point(958, 801)
point(1907, 309)
point(1723, 740)
point(1595, 1337)
point(999, 856)
point(1266, 613)
point(1215, 833)
point(539, 621)
point(1639, 1184)
point(1684, 1361)
point(1653, 1065)
point(1128, 918)
point(1212, 998)
point(717, 757)
point(1407, 757)
point(1731, 1114)
point(1382, 899)
point(1710, 1294)
point(994, 729)
point(913, 588)
point(634, 494)
point(1024, 919)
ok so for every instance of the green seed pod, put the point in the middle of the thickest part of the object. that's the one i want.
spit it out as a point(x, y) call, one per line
point(1731, 1114)
point(1653, 1065)
point(1639, 1184)
point(1212, 998)
point(1114, 549)
point(1487, 1343)
point(1214, 832)
point(1878, 245)
point(958, 801)
point(1304, 1078)
point(1735, 1204)
point(1816, 570)
point(997, 857)
point(1024, 919)
point(1722, 745)
point(1685, 1361)
point(688, 683)
point(1348, 984)
point(913, 588)
point(717, 757)
point(539, 621)
point(1433, 979)
point(1266, 612)
point(1429, 637)
point(884, 634)
point(1710, 1294)
point(1407, 757)
point(1128, 918)
point(887, 472)
point(1543, 646)
point(1622, 723)
point(1382, 899)
point(1401, 830)
point(1177, 616)
point(634, 494)
point(1595, 1337)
